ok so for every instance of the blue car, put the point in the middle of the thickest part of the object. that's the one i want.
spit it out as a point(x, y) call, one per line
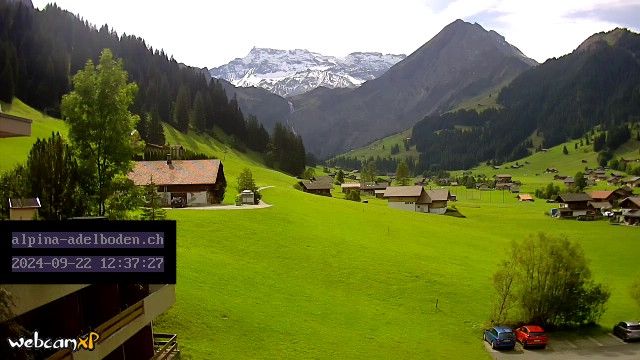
point(500, 337)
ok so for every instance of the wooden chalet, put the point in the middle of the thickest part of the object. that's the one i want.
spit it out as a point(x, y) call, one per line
point(191, 182)
point(503, 178)
point(370, 188)
point(632, 202)
point(573, 205)
point(346, 187)
point(24, 209)
point(633, 182)
point(11, 126)
point(416, 198)
point(321, 187)
point(602, 196)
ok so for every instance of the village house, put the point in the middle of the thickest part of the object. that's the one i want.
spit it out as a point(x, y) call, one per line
point(416, 198)
point(321, 187)
point(569, 181)
point(630, 210)
point(599, 207)
point(633, 182)
point(346, 187)
point(525, 197)
point(602, 196)
point(183, 182)
point(24, 209)
point(622, 193)
point(503, 179)
point(572, 205)
point(11, 126)
point(632, 202)
point(371, 188)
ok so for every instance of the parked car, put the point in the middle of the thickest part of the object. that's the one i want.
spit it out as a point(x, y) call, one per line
point(178, 202)
point(627, 330)
point(500, 337)
point(531, 335)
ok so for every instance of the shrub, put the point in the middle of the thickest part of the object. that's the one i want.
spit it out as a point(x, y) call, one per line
point(547, 280)
point(353, 195)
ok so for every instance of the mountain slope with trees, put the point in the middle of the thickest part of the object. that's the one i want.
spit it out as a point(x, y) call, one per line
point(462, 61)
point(562, 99)
point(41, 49)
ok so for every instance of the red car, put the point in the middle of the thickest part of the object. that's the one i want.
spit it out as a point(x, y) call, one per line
point(531, 335)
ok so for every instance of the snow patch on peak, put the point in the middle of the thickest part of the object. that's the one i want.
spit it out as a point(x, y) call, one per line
point(292, 72)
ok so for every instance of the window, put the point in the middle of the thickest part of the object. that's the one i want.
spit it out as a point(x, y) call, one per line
point(494, 332)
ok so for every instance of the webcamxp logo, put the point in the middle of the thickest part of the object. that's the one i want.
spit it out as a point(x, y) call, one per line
point(87, 342)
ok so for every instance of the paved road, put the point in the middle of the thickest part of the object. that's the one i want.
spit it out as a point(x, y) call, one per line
point(588, 347)
point(261, 205)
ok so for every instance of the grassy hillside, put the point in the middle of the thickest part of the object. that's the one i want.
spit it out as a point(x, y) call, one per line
point(383, 147)
point(532, 173)
point(15, 150)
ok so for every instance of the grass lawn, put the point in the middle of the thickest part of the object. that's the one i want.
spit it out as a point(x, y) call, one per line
point(316, 277)
point(15, 150)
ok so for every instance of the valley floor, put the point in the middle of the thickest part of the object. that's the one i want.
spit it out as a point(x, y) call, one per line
point(317, 277)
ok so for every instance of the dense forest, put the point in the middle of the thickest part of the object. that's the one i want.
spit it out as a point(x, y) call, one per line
point(41, 50)
point(380, 164)
point(562, 99)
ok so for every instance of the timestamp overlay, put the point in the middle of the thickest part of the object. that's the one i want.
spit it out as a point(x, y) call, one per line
point(87, 251)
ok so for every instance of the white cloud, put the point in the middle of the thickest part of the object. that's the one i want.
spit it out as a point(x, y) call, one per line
point(210, 33)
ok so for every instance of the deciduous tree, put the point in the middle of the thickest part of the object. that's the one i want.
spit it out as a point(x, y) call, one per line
point(551, 285)
point(100, 123)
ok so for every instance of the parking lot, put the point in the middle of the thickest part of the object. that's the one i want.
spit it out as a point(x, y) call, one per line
point(604, 346)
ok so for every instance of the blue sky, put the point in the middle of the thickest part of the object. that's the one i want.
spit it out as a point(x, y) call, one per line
point(211, 33)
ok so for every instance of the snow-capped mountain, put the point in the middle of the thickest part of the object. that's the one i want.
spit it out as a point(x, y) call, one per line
point(293, 72)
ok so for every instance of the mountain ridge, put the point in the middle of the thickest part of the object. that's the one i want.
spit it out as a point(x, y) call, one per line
point(293, 72)
point(463, 60)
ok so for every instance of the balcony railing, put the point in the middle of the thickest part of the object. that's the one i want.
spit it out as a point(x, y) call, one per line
point(165, 346)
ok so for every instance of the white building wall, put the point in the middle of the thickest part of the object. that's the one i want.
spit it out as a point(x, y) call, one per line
point(439, 211)
point(197, 198)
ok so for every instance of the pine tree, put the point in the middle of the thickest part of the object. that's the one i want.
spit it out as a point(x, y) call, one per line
point(402, 173)
point(7, 83)
point(182, 109)
point(156, 131)
point(152, 209)
point(564, 150)
point(199, 113)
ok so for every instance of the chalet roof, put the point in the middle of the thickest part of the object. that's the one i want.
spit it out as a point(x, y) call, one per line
point(350, 186)
point(573, 197)
point(633, 199)
point(503, 176)
point(600, 204)
point(375, 186)
point(601, 194)
point(179, 172)
point(316, 185)
point(525, 197)
point(438, 195)
point(569, 179)
point(633, 179)
point(24, 203)
point(403, 191)
point(327, 179)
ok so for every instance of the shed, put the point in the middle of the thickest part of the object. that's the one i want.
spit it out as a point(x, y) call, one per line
point(247, 197)
point(24, 209)
point(525, 197)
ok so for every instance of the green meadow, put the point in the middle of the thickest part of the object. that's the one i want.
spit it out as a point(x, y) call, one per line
point(323, 278)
